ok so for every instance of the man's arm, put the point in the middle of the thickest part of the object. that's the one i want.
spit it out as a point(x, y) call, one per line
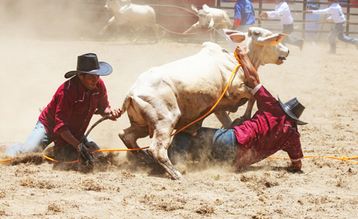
point(295, 153)
point(277, 13)
point(265, 101)
point(69, 138)
point(320, 11)
point(251, 76)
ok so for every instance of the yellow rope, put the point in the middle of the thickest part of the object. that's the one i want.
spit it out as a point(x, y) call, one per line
point(233, 73)
point(343, 158)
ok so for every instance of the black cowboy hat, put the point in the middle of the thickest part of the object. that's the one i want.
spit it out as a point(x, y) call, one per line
point(293, 109)
point(89, 64)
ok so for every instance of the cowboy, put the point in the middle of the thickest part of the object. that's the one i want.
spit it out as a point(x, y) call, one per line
point(244, 15)
point(282, 11)
point(337, 30)
point(65, 119)
point(272, 128)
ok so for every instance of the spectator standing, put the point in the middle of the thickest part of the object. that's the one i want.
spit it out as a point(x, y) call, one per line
point(337, 31)
point(244, 15)
point(283, 12)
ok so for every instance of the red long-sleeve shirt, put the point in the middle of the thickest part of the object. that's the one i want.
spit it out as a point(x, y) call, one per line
point(269, 131)
point(72, 107)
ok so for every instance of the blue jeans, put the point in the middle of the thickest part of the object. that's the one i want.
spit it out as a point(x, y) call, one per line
point(224, 145)
point(221, 143)
point(37, 141)
point(337, 31)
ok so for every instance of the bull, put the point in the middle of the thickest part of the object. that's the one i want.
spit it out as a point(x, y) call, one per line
point(138, 18)
point(210, 18)
point(165, 98)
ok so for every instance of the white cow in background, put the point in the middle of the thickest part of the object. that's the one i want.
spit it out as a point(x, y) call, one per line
point(138, 18)
point(210, 18)
point(166, 98)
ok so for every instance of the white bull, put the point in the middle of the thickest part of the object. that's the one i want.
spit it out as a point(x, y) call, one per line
point(166, 98)
point(137, 18)
point(210, 18)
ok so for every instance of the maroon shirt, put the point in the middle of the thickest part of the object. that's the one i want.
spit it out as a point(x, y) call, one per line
point(72, 107)
point(269, 131)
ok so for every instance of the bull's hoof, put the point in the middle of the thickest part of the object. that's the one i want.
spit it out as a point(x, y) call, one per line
point(176, 175)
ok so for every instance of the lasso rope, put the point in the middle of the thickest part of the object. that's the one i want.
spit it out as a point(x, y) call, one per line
point(233, 73)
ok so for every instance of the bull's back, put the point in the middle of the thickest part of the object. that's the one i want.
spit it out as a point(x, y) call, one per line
point(143, 15)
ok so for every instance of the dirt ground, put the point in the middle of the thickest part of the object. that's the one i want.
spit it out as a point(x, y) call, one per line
point(32, 69)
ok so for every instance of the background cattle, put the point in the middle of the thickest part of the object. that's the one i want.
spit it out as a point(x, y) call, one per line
point(136, 18)
point(166, 98)
point(211, 19)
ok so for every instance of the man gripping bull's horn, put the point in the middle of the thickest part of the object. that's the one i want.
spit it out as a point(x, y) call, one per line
point(272, 128)
point(166, 98)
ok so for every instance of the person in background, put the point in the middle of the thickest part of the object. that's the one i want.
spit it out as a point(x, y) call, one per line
point(272, 128)
point(312, 25)
point(337, 31)
point(244, 15)
point(66, 118)
point(283, 12)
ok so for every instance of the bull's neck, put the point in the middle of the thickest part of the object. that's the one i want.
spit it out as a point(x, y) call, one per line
point(254, 60)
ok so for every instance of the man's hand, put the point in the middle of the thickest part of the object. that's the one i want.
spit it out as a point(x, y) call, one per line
point(112, 114)
point(295, 167)
point(252, 78)
point(86, 157)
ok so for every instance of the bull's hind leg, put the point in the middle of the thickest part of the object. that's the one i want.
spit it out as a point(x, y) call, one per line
point(129, 137)
point(159, 149)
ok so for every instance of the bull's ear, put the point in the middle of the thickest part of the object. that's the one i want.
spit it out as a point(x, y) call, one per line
point(273, 40)
point(194, 8)
point(235, 36)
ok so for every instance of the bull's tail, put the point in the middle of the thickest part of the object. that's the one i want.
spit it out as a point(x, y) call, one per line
point(134, 104)
point(140, 112)
point(126, 103)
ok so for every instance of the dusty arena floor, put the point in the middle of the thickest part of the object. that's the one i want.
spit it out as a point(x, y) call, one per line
point(31, 71)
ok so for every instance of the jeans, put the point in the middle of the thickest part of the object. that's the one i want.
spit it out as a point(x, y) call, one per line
point(221, 144)
point(37, 141)
point(337, 31)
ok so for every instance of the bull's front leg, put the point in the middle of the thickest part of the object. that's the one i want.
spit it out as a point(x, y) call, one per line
point(224, 118)
point(248, 111)
point(159, 151)
point(109, 23)
point(247, 114)
point(193, 27)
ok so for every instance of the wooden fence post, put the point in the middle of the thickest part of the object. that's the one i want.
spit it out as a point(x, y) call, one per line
point(348, 16)
point(304, 8)
point(260, 10)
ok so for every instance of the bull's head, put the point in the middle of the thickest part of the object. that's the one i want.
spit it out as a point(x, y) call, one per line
point(264, 46)
point(205, 20)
